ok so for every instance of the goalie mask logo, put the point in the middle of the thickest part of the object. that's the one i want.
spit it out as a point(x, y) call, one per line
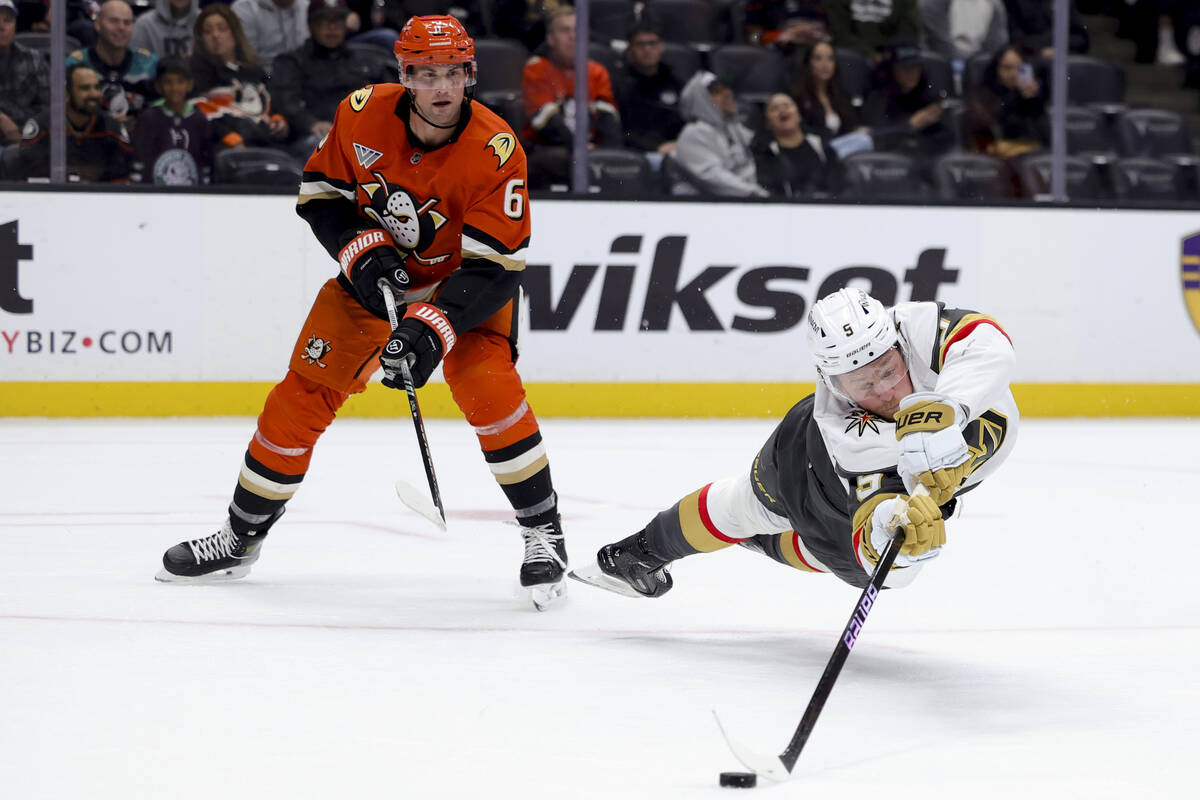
point(1189, 263)
point(314, 350)
point(412, 224)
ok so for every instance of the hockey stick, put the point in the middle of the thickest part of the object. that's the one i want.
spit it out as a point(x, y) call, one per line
point(779, 768)
point(409, 494)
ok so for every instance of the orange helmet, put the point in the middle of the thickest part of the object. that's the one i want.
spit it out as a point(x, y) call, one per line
point(438, 39)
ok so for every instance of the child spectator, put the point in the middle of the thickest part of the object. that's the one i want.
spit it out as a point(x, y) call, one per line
point(230, 84)
point(790, 162)
point(172, 144)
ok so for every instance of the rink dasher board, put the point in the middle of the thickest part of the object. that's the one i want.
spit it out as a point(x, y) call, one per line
point(191, 304)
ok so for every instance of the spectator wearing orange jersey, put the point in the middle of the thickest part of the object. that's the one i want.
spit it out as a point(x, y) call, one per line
point(549, 87)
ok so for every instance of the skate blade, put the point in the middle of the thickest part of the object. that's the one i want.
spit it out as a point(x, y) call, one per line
point(544, 595)
point(592, 575)
point(220, 576)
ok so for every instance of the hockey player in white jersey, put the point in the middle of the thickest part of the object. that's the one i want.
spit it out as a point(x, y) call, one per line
point(914, 394)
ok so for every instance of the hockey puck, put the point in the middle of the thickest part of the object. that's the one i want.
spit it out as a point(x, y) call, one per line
point(739, 780)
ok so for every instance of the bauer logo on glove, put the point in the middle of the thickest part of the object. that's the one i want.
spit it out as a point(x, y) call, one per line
point(933, 452)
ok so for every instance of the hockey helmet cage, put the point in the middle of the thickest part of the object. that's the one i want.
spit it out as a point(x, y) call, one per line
point(435, 39)
point(847, 330)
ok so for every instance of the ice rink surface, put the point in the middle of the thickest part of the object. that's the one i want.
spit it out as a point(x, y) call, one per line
point(1051, 652)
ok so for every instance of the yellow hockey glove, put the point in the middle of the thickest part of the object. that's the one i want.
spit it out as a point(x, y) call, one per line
point(933, 452)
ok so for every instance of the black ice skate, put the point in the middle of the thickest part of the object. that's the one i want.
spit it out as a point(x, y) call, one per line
point(545, 562)
point(223, 556)
point(629, 568)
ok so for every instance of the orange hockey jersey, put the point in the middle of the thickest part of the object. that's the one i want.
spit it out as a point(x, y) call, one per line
point(547, 87)
point(458, 208)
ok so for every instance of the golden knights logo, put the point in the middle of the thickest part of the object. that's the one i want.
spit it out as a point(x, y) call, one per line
point(1189, 263)
point(395, 209)
point(863, 420)
point(315, 349)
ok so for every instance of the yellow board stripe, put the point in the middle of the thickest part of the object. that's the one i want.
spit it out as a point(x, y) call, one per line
point(611, 400)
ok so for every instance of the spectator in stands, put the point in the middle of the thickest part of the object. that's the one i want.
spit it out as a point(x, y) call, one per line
point(902, 110)
point(172, 144)
point(231, 87)
point(548, 84)
point(167, 29)
point(1006, 115)
point(868, 25)
point(790, 162)
point(310, 81)
point(1031, 27)
point(274, 27)
point(787, 24)
point(80, 14)
point(24, 79)
point(712, 155)
point(126, 73)
point(97, 146)
point(825, 106)
point(648, 93)
point(960, 29)
point(380, 21)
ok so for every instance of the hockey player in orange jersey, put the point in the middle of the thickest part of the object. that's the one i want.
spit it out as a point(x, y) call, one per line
point(418, 185)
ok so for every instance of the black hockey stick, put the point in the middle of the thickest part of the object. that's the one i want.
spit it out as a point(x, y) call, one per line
point(779, 768)
point(409, 494)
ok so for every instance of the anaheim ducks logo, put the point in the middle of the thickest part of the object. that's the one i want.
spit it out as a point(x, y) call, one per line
point(315, 349)
point(503, 146)
point(413, 226)
point(360, 97)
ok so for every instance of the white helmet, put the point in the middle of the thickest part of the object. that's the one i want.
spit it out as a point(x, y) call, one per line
point(847, 330)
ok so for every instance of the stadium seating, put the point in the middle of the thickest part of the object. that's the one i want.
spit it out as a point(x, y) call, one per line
point(256, 166)
point(610, 20)
point(684, 20)
point(1083, 178)
point(756, 72)
point(1152, 133)
point(501, 63)
point(683, 59)
point(854, 71)
point(890, 176)
point(1145, 180)
point(620, 173)
point(1089, 134)
point(971, 176)
point(1094, 80)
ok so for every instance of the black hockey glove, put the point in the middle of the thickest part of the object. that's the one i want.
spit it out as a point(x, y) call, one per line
point(421, 339)
point(367, 257)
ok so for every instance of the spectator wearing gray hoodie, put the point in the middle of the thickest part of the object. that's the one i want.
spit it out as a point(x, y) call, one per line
point(274, 27)
point(167, 30)
point(712, 154)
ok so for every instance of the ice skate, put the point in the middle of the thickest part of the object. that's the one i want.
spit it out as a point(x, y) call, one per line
point(628, 568)
point(544, 564)
point(223, 556)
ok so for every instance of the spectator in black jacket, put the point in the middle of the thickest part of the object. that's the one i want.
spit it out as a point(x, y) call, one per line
point(231, 86)
point(24, 79)
point(1006, 116)
point(824, 103)
point(98, 148)
point(903, 111)
point(310, 81)
point(791, 162)
point(648, 93)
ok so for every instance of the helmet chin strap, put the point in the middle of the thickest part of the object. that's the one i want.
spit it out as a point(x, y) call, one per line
point(428, 121)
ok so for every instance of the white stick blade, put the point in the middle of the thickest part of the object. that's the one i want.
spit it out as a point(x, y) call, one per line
point(770, 767)
point(418, 502)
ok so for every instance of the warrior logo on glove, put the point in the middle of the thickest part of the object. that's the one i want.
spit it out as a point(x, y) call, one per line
point(413, 226)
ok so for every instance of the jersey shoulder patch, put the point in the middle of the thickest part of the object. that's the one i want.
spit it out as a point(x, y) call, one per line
point(503, 145)
point(359, 97)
